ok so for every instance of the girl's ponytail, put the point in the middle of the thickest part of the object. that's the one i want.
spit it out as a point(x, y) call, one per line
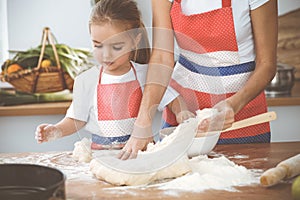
point(142, 53)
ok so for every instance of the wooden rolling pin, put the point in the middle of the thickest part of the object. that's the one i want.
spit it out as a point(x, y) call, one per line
point(284, 170)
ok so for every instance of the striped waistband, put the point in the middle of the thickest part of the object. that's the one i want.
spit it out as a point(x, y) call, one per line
point(109, 140)
point(217, 71)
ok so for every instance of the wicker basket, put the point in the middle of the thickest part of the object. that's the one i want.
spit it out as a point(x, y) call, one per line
point(38, 79)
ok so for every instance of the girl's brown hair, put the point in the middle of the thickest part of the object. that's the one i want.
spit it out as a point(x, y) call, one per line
point(124, 13)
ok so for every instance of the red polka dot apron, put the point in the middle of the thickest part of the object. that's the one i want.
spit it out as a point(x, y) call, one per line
point(208, 69)
point(117, 107)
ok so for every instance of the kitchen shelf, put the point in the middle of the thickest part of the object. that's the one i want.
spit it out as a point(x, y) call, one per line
point(35, 109)
point(289, 100)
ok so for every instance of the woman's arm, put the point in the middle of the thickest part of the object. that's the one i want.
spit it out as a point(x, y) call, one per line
point(265, 31)
point(180, 109)
point(159, 73)
point(161, 62)
point(264, 25)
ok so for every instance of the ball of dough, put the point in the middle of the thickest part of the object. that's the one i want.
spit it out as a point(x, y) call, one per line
point(82, 151)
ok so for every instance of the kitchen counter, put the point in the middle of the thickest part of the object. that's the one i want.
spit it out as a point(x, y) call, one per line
point(61, 107)
point(252, 156)
point(287, 100)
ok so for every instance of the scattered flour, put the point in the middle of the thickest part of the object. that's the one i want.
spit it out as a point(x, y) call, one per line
point(239, 156)
point(216, 173)
point(206, 173)
point(62, 161)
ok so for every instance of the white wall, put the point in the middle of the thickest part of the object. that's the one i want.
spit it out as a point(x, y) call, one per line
point(286, 127)
point(68, 19)
point(17, 135)
point(3, 32)
point(285, 6)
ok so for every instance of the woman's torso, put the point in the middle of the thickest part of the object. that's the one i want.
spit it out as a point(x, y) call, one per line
point(241, 16)
point(210, 72)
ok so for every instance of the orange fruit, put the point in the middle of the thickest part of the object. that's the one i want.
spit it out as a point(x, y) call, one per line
point(13, 68)
point(46, 63)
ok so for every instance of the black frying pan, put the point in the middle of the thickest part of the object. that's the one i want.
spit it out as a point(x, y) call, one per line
point(31, 182)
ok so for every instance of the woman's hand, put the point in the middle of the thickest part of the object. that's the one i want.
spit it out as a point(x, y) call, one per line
point(184, 115)
point(220, 121)
point(47, 132)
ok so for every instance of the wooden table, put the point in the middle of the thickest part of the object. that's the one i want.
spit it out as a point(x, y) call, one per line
point(254, 156)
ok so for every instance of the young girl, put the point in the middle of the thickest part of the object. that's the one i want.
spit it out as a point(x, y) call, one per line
point(106, 98)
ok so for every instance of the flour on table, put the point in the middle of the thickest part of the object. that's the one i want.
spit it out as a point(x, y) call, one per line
point(216, 173)
point(62, 161)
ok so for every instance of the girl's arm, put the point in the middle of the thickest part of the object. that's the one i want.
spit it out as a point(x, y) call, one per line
point(159, 73)
point(48, 132)
point(264, 25)
point(69, 126)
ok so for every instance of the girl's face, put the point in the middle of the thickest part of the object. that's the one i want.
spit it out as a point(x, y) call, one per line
point(112, 48)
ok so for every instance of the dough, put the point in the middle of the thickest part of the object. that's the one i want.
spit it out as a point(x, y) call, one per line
point(117, 178)
point(82, 151)
point(179, 168)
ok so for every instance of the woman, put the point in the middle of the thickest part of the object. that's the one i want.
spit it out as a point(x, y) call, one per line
point(232, 41)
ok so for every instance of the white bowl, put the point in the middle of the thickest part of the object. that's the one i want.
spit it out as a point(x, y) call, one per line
point(203, 145)
point(200, 146)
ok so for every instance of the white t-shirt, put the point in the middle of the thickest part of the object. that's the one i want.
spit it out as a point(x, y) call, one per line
point(84, 106)
point(241, 16)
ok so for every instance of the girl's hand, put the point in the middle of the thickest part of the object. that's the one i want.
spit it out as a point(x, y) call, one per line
point(138, 141)
point(132, 147)
point(47, 132)
point(184, 115)
point(221, 121)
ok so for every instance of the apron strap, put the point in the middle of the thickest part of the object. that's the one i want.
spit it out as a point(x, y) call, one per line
point(226, 3)
point(100, 74)
point(101, 70)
